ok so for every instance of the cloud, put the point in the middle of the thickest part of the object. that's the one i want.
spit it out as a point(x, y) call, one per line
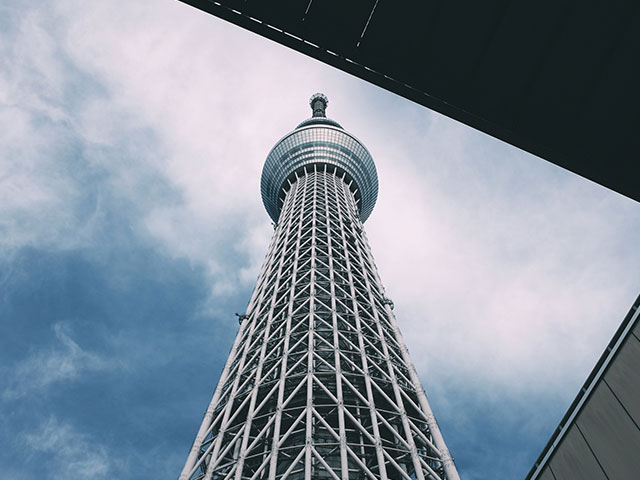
point(69, 452)
point(102, 125)
point(205, 157)
point(146, 124)
point(44, 199)
point(507, 272)
point(65, 361)
point(494, 282)
point(495, 259)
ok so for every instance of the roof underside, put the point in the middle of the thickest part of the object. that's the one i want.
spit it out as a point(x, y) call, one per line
point(556, 78)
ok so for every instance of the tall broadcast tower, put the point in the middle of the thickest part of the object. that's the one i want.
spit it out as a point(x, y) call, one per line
point(319, 383)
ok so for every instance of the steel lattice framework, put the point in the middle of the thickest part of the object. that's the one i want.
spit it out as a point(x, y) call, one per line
point(319, 384)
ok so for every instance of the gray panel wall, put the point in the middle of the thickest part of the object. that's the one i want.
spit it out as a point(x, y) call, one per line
point(603, 441)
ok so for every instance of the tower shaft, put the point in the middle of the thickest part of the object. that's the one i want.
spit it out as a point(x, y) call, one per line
point(319, 384)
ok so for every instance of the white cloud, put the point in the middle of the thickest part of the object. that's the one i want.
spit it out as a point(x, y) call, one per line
point(66, 148)
point(65, 361)
point(509, 262)
point(513, 279)
point(69, 453)
point(38, 191)
point(213, 121)
point(507, 273)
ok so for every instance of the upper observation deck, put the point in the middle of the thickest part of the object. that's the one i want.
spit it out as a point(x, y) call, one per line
point(319, 141)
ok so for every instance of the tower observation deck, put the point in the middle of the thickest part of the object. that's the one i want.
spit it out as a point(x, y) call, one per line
point(319, 383)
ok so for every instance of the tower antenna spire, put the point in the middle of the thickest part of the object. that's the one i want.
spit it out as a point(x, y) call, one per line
point(318, 103)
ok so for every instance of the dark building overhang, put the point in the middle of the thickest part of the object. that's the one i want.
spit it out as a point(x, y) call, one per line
point(555, 78)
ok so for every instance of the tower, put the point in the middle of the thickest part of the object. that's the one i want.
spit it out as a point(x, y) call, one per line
point(319, 383)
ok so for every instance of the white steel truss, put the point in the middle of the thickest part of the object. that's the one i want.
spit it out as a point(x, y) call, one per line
point(319, 383)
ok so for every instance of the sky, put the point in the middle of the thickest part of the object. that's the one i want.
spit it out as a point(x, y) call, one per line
point(132, 138)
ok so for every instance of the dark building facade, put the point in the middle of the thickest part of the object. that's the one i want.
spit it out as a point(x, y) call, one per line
point(556, 78)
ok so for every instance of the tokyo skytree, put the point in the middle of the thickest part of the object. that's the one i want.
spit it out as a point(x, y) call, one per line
point(319, 383)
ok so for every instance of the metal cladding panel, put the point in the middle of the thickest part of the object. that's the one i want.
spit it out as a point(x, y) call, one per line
point(345, 28)
point(605, 412)
point(547, 475)
point(574, 460)
point(318, 144)
point(611, 434)
point(289, 11)
point(623, 377)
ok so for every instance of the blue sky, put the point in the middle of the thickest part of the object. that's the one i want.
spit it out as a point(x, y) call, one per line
point(132, 137)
